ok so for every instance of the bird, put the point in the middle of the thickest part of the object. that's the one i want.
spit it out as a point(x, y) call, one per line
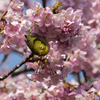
point(37, 44)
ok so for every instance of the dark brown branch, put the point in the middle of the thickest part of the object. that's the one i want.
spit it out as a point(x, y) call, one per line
point(22, 70)
point(89, 87)
point(78, 77)
point(3, 15)
point(4, 59)
point(85, 77)
point(16, 67)
point(44, 3)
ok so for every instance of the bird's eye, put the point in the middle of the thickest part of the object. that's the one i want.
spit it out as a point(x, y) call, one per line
point(41, 47)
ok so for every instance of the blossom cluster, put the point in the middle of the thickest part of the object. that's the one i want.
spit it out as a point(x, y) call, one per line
point(65, 28)
point(85, 53)
point(20, 88)
point(62, 30)
point(84, 5)
point(90, 9)
point(73, 34)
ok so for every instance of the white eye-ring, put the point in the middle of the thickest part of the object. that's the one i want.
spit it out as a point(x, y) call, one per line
point(41, 47)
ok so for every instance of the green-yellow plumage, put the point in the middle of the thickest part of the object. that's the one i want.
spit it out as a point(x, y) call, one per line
point(37, 44)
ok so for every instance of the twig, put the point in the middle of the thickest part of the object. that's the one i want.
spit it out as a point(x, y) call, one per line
point(4, 59)
point(18, 51)
point(78, 77)
point(2, 17)
point(84, 73)
point(22, 70)
point(16, 67)
point(44, 3)
point(89, 87)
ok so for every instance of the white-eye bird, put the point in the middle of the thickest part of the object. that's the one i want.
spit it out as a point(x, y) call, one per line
point(37, 44)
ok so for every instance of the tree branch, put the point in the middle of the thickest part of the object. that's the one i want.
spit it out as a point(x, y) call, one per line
point(44, 3)
point(16, 67)
point(78, 77)
point(84, 73)
point(4, 59)
point(22, 70)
